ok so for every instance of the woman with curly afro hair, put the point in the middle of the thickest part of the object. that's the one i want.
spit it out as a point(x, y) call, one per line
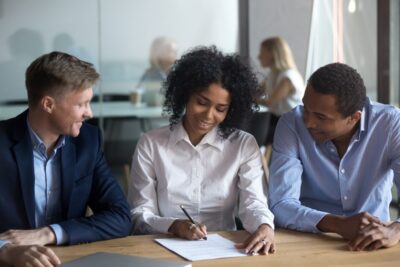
point(202, 161)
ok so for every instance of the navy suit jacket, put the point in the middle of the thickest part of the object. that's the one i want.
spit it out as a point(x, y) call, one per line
point(85, 178)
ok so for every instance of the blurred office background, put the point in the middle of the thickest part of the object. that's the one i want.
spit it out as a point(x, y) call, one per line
point(116, 37)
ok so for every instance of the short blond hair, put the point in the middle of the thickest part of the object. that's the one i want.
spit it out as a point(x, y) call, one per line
point(282, 57)
point(57, 73)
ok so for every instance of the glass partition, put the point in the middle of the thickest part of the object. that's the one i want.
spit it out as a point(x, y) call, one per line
point(116, 36)
point(320, 32)
point(131, 43)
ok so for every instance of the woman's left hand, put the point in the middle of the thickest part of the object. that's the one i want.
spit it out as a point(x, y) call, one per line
point(262, 241)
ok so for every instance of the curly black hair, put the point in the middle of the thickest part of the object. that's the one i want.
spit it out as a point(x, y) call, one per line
point(342, 81)
point(203, 66)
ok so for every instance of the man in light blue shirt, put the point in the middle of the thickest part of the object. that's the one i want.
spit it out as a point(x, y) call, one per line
point(334, 160)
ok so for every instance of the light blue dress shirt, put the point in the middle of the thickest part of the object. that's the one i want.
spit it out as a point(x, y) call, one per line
point(47, 187)
point(310, 180)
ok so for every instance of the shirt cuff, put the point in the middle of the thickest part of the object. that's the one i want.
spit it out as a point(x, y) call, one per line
point(162, 224)
point(314, 218)
point(3, 243)
point(59, 232)
point(268, 222)
point(253, 226)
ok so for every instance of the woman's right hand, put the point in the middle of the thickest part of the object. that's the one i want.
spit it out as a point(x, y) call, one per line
point(186, 229)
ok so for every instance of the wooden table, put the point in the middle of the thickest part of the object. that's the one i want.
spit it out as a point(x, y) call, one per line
point(293, 249)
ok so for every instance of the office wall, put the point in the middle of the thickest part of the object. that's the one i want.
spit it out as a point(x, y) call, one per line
point(29, 28)
point(125, 51)
point(361, 40)
point(114, 35)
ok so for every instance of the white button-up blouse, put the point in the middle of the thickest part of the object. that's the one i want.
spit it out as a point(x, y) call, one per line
point(211, 180)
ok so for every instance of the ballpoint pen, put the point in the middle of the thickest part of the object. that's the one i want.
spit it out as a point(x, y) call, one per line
point(190, 218)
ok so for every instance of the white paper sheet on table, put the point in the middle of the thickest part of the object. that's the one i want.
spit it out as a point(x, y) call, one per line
point(214, 247)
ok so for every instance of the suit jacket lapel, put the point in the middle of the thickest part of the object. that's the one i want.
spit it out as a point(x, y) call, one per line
point(23, 152)
point(68, 163)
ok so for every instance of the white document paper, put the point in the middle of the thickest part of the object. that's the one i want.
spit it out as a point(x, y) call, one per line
point(214, 247)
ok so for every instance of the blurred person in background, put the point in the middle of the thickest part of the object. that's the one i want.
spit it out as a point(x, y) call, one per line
point(163, 54)
point(283, 87)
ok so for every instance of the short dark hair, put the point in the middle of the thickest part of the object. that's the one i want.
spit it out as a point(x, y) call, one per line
point(203, 66)
point(55, 74)
point(342, 81)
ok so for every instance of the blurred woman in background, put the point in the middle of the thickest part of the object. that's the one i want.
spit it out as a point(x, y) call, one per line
point(283, 86)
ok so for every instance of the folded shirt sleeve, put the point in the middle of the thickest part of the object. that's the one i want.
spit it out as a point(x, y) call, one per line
point(59, 232)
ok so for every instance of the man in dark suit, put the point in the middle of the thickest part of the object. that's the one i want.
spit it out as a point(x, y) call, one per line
point(53, 168)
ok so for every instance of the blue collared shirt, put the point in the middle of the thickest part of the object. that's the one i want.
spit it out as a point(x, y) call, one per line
point(48, 186)
point(310, 180)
